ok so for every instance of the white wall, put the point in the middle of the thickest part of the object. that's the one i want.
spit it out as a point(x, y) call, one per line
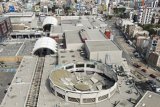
point(21, 19)
point(74, 46)
point(110, 57)
point(158, 61)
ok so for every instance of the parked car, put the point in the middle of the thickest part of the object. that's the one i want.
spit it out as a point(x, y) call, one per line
point(152, 75)
point(136, 65)
point(144, 70)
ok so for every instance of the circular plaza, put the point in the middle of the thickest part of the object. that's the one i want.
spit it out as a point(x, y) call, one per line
point(83, 83)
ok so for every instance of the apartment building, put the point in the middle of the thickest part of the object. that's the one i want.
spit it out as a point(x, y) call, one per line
point(5, 27)
point(145, 12)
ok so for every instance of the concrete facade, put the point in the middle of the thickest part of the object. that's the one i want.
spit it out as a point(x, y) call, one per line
point(104, 51)
point(21, 17)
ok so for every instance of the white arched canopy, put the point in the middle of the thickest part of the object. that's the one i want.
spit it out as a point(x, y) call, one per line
point(50, 20)
point(45, 43)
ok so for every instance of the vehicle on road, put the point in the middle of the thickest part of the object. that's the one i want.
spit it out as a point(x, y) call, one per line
point(136, 65)
point(152, 75)
point(144, 70)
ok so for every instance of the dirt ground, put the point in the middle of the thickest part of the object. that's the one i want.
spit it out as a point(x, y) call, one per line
point(5, 80)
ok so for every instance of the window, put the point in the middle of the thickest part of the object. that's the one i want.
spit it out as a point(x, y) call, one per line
point(8, 23)
point(90, 65)
point(89, 100)
point(79, 65)
point(102, 97)
point(60, 95)
point(73, 99)
point(69, 67)
point(4, 29)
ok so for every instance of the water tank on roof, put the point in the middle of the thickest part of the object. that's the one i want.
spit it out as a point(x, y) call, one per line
point(11, 9)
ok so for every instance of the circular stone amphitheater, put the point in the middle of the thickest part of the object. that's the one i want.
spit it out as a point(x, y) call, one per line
point(84, 83)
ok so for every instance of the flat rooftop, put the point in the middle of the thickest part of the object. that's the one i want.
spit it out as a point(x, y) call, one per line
point(70, 27)
point(95, 34)
point(105, 45)
point(126, 22)
point(86, 24)
point(10, 49)
point(19, 88)
point(48, 99)
point(17, 14)
point(2, 18)
point(56, 30)
point(72, 37)
point(150, 99)
point(17, 47)
point(69, 56)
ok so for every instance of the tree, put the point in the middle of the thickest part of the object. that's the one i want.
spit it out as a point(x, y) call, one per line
point(152, 32)
point(119, 10)
point(75, 1)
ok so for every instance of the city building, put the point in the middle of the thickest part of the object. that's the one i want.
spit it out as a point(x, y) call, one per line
point(145, 11)
point(145, 15)
point(77, 64)
point(156, 16)
point(72, 40)
point(149, 99)
point(21, 17)
point(1, 8)
point(153, 51)
point(140, 33)
point(154, 59)
point(5, 27)
point(142, 43)
point(94, 10)
point(104, 51)
point(83, 83)
point(154, 44)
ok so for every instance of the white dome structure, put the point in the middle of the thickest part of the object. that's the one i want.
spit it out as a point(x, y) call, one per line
point(50, 20)
point(45, 43)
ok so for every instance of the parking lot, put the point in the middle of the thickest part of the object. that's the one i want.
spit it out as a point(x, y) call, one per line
point(9, 49)
point(17, 48)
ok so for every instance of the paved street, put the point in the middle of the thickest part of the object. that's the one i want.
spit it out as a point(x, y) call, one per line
point(117, 38)
point(128, 54)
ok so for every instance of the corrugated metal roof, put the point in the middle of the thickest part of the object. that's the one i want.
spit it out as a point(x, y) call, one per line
point(50, 20)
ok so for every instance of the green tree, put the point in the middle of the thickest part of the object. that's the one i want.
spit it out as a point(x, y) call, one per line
point(119, 10)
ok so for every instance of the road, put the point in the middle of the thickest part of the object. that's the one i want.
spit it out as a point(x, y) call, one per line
point(129, 57)
point(118, 35)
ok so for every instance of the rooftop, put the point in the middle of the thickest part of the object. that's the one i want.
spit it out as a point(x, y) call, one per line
point(105, 45)
point(72, 37)
point(70, 27)
point(126, 22)
point(95, 34)
point(16, 47)
point(2, 18)
point(68, 56)
point(150, 99)
point(16, 14)
point(18, 90)
point(56, 30)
